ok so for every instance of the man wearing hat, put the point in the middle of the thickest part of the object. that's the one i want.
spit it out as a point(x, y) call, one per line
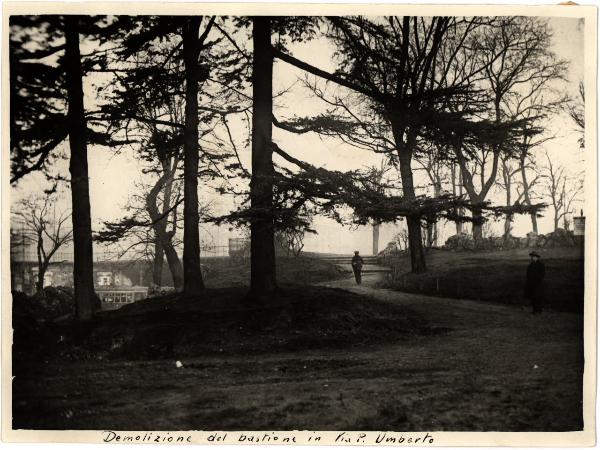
point(534, 289)
point(357, 263)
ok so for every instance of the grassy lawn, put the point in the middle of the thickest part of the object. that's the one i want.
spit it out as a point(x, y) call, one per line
point(496, 277)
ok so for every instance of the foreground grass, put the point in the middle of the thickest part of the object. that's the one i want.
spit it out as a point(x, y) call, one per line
point(496, 277)
point(316, 358)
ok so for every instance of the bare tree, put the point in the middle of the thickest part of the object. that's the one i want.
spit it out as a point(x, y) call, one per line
point(509, 183)
point(291, 240)
point(522, 56)
point(562, 191)
point(151, 230)
point(576, 110)
point(434, 163)
point(535, 102)
point(378, 181)
point(47, 229)
point(401, 238)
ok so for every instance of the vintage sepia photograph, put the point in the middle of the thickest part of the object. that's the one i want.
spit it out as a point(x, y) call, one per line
point(235, 222)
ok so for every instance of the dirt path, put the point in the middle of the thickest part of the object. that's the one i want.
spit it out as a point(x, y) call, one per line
point(484, 367)
point(446, 311)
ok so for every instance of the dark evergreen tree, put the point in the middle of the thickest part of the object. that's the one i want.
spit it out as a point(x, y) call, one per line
point(191, 53)
point(191, 46)
point(38, 120)
point(83, 260)
point(262, 244)
point(47, 106)
point(263, 210)
point(394, 65)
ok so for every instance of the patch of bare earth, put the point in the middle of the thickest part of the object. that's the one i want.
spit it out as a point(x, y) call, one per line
point(368, 359)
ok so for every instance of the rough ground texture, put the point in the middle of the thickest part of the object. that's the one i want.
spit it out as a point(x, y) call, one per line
point(316, 358)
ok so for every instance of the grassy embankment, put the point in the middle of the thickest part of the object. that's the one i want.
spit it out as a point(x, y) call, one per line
point(222, 272)
point(496, 277)
point(172, 324)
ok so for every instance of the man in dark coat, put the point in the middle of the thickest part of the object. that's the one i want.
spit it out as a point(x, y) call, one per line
point(357, 263)
point(534, 288)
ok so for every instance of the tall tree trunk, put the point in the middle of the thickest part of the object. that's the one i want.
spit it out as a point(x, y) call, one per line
point(477, 214)
point(192, 275)
point(159, 220)
point(534, 224)
point(83, 258)
point(526, 196)
point(158, 261)
point(429, 238)
point(433, 225)
point(167, 237)
point(413, 222)
point(454, 192)
point(457, 191)
point(262, 247)
point(508, 225)
point(159, 228)
point(415, 245)
point(376, 238)
point(508, 184)
point(474, 197)
point(39, 285)
point(174, 265)
point(459, 225)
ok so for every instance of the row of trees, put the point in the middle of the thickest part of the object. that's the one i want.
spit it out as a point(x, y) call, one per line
point(472, 96)
point(458, 94)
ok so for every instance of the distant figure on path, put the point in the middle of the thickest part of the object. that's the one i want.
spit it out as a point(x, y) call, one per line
point(534, 289)
point(357, 263)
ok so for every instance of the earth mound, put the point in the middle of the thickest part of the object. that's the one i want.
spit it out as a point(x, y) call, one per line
point(224, 320)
